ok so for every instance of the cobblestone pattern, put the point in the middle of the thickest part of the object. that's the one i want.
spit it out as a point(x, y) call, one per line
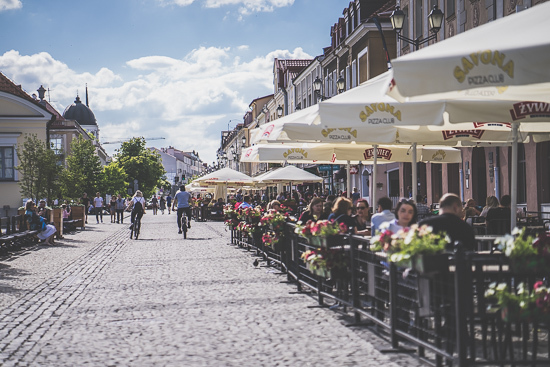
point(166, 301)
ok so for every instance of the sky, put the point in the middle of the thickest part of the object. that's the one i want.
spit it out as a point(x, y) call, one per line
point(183, 70)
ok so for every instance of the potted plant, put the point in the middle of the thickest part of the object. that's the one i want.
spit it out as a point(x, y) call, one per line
point(322, 233)
point(526, 253)
point(326, 263)
point(519, 305)
point(415, 247)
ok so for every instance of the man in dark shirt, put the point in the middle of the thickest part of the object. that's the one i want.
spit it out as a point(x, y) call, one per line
point(85, 200)
point(449, 221)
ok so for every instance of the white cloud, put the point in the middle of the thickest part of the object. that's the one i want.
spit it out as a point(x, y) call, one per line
point(10, 4)
point(188, 101)
point(246, 7)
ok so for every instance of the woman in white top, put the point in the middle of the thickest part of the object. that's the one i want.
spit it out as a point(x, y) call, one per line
point(98, 205)
point(138, 207)
point(405, 213)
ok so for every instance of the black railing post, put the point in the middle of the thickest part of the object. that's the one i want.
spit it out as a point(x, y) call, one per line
point(460, 307)
point(393, 306)
point(354, 282)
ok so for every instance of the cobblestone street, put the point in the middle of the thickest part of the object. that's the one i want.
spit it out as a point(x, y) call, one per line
point(98, 298)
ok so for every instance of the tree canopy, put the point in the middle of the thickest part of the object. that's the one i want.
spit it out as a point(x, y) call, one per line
point(141, 164)
point(83, 172)
point(38, 168)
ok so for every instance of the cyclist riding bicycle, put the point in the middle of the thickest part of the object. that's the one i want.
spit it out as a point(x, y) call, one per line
point(182, 198)
point(138, 207)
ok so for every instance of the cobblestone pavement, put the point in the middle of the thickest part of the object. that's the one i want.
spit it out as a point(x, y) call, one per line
point(98, 298)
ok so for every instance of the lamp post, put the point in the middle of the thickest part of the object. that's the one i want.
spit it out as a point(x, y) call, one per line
point(279, 111)
point(318, 85)
point(435, 19)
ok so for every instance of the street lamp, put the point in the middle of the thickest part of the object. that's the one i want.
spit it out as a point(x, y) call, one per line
point(243, 141)
point(318, 85)
point(435, 19)
point(341, 85)
point(279, 111)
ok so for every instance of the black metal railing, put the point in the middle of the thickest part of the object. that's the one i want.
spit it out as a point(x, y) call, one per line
point(442, 315)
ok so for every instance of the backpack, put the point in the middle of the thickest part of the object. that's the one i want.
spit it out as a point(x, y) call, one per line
point(138, 206)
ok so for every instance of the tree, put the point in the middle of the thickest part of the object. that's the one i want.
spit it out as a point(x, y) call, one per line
point(38, 168)
point(83, 172)
point(141, 164)
point(113, 179)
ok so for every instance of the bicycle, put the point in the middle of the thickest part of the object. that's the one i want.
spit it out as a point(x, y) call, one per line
point(135, 228)
point(184, 225)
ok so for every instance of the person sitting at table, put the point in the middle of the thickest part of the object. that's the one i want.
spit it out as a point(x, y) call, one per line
point(406, 214)
point(490, 202)
point(384, 214)
point(470, 209)
point(362, 219)
point(314, 211)
point(341, 213)
point(274, 205)
point(422, 209)
point(46, 231)
point(450, 221)
point(498, 219)
point(66, 211)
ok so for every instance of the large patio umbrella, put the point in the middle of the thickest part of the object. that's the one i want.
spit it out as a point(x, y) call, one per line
point(364, 114)
point(346, 153)
point(496, 72)
point(222, 179)
point(511, 51)
point(225, 176)
point(290, 174)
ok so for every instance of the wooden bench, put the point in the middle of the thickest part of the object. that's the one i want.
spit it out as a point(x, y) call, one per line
point(23, 236)
point(69, 225)
point(7, 241)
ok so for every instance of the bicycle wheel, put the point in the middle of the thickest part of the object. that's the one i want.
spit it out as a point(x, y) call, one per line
point(184, 226)
point(138, 226)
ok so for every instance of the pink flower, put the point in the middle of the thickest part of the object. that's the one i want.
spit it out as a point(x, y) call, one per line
point(343, 228)
point(538, 284)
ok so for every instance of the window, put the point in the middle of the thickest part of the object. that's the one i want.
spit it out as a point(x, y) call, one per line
point(450, 8)
point(418, 19)
point(56, 145)
point(405, 32)
point(6, 164)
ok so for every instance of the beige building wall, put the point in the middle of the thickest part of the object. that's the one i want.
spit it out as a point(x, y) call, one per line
point(18, 118)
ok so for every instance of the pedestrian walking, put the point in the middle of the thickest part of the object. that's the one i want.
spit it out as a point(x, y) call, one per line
point(168, 202)
point(155, 205)
point(98, 205)
point(119, 207)
point(162, 204)
point(112, 208)
point(85, 200)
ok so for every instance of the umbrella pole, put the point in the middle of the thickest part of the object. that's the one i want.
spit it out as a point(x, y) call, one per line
point(414, 173)
point(514, 174)
point(373, 183)
point(348, 180)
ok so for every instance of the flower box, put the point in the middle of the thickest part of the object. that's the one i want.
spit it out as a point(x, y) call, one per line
point(326, 242)
point(529, 264)
point(321, 272)
point(430, 264)
point(57, 216)
point(78, 213)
